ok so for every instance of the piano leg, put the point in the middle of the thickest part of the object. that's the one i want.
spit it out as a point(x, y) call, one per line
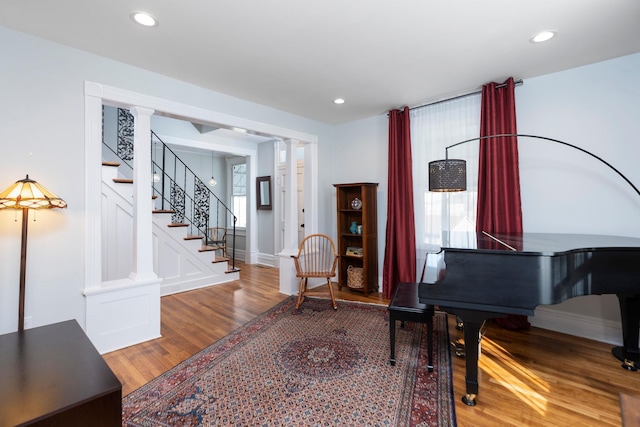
point(473, 321)
point(471, 337)
point(459, 323)
point(629, 353)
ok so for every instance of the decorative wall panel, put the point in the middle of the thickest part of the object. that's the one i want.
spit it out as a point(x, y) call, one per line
point(125, 134)
point(201, 200)
point(177, 204)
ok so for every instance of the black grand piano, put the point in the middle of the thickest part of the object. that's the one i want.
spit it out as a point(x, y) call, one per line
point(488, 276)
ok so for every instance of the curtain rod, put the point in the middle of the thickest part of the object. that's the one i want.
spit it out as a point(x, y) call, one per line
point(517, 83)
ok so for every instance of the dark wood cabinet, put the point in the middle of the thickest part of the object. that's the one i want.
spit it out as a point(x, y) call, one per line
point(357, 244)
point(54, 376)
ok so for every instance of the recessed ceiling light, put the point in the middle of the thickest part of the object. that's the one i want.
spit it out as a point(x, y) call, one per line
point(542, 36)
point(144, 18)
point(338, 101)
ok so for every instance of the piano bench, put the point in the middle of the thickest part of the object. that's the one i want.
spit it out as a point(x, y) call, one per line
point(406, 307)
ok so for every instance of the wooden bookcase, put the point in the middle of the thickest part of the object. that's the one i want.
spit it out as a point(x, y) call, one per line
point(367, 217)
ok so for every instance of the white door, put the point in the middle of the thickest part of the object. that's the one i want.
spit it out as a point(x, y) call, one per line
point(300, 201)
point(300, 206)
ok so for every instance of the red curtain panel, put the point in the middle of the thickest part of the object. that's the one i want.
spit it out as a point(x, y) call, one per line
point(499, 207)
point(400, 249)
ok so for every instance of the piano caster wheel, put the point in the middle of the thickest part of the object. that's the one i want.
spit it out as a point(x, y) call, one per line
point(629, 365)
point(469, 399)
point(458, 349)
point(459, 323)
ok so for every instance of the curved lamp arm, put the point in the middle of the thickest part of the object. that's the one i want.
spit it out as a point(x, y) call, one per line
point(451, 174)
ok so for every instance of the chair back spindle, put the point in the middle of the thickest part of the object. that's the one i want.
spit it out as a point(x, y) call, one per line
point(317, 258)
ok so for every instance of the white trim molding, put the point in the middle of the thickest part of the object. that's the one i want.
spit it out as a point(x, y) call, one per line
point(122, 314)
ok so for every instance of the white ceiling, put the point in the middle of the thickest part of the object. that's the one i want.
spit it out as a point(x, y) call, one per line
point(297, 56)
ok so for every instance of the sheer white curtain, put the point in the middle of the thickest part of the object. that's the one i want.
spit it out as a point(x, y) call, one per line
point(433, 128)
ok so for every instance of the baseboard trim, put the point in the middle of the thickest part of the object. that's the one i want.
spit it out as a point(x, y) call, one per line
point(593, 328)
point(191, 285)
point(268, 260)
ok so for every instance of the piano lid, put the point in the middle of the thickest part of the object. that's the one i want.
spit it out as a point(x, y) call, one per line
point(535, 243)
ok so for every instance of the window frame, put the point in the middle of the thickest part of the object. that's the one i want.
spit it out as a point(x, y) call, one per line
point(231, 164)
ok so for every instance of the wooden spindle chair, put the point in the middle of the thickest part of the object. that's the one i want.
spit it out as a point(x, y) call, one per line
point(217, 240)
point(317, 258)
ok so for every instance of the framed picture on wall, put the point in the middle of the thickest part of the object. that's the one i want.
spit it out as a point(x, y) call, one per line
point(263, 190)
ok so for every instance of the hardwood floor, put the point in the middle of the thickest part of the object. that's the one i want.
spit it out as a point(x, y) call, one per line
point(534, 378)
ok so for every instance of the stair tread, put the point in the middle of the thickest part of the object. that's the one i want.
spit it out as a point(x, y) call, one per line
point(193, 237)
point(123, 180)
point(114, 164)
point(206, 248)
point(169, 211)
point(177, 224)
point(219, 259)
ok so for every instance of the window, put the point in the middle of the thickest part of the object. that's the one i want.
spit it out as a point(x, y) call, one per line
point(239, 193)
point(433, 128)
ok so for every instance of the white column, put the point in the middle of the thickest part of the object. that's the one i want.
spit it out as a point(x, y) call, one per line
point(124, 312)
point(93, 185)
point(251, 248)
point(142, 268)
point(311, 189)
point(288, 282)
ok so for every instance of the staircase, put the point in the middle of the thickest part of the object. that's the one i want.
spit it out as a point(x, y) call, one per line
point(182, 260)
point(184, 211)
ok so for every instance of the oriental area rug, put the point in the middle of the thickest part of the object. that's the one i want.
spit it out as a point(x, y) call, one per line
point(312, 367)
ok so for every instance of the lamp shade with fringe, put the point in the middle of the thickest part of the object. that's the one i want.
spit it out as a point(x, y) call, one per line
point(27, 193)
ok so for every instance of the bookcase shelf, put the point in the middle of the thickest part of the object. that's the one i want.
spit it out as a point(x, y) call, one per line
point(366, 240)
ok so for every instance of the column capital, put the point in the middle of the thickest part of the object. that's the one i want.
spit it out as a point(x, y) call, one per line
point(141, 111)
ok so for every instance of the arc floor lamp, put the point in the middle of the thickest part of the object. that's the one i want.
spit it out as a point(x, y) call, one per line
point(450, 175)
point(27, 194)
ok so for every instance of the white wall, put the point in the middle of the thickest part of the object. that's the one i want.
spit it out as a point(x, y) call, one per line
point(42, 134)
point(596, 108)
point(265, 218)
point(361, 155)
